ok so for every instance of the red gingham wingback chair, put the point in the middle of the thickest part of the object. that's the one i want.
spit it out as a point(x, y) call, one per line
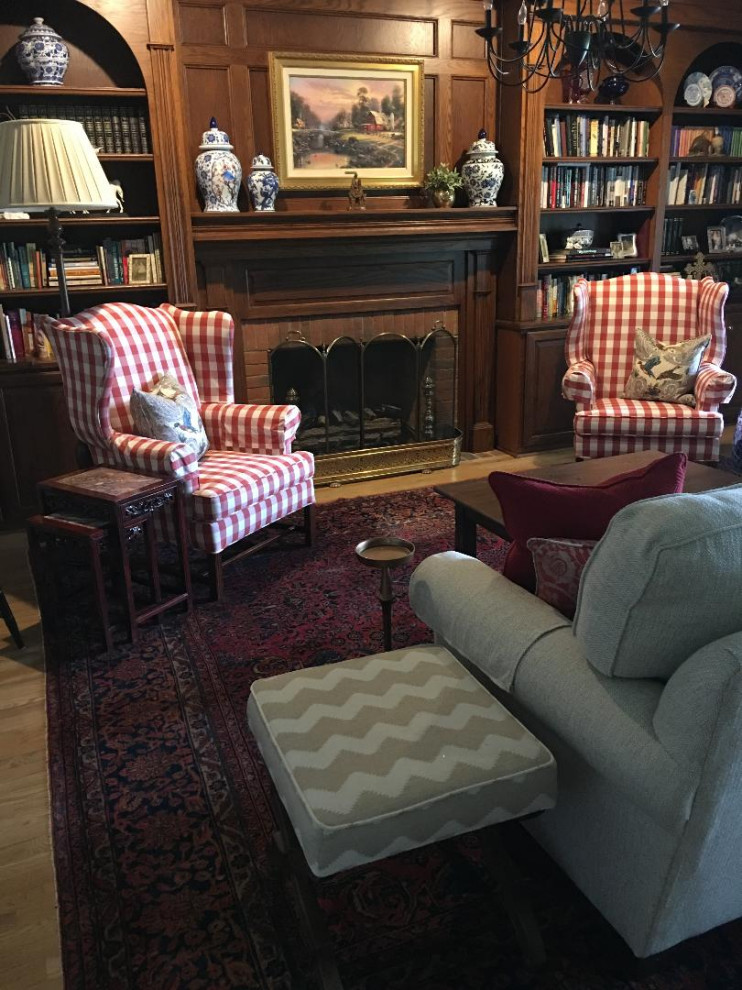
point(248, 479)
point(600, 349)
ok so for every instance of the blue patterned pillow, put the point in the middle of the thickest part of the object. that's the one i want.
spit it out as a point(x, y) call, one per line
point(168, 412)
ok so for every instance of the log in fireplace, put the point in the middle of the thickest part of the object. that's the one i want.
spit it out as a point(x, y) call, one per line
point(372, 407)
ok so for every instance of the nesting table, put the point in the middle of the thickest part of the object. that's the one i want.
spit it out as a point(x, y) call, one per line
point(124, 504)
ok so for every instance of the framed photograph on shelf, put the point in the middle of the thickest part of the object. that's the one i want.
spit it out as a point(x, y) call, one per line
point(716, 238)
point(543, 248)
point(140, 269)
point(616, 249)
point(689, 242)
point(629, 245)
point(334, 115)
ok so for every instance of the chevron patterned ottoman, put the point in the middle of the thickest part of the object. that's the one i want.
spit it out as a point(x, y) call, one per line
point(381, 754)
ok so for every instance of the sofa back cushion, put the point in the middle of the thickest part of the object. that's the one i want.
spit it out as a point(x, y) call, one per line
point(662, 583)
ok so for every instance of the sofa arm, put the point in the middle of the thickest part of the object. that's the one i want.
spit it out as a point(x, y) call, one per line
point(578, 383)
point(688, 713)
point(480, 614)
point(251, 428)
point(135, 453)
point(714, 386)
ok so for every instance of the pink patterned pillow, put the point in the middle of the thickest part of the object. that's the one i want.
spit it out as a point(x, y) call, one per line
point(558, 565)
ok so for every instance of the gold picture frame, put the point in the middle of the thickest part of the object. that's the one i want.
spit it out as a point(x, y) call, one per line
point(335, 116)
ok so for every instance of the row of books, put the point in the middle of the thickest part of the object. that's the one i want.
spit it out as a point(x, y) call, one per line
point(122, 262)
point(703, 185)
point(554, 296)
point(584, 136)
point(672, 236)
point(564, 186)
point(686, 141)
point(115, 130)
point(22, 335)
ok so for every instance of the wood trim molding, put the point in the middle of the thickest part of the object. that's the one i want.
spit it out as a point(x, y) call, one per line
point(172, 192)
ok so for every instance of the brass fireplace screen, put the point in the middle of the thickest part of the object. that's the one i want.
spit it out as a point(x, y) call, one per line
point(379, 406)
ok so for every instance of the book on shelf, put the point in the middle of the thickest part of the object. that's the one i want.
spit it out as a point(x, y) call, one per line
point(22, 335)
point(580, 135)
point(585, 185)
point(703, 184)
point(555, 293)
point(26, 266)
point(116, 129)
point(672, 235)
point(686, 141)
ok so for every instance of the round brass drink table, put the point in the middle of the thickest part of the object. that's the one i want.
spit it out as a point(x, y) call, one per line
point(385, 552)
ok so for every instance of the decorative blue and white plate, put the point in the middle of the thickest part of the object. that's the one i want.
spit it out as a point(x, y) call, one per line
point(702, 81)
point(727, 75)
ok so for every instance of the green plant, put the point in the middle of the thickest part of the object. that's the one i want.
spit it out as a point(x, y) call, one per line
point(442, 177)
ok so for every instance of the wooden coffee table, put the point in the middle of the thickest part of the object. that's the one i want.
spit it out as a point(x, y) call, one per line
point(476, 505)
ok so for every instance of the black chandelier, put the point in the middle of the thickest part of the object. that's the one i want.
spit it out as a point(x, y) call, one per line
point(590, 38)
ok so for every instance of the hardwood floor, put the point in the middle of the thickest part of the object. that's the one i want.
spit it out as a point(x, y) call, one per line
point(29, 944)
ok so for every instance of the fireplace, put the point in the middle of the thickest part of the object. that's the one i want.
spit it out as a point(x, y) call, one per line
point(373, 406)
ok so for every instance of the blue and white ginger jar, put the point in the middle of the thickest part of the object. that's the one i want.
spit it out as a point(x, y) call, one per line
point(263, 184)
point(218, 172)
point(482, 172)
point(42, 54)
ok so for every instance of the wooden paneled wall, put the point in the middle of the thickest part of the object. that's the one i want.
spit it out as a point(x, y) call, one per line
point(223, 54)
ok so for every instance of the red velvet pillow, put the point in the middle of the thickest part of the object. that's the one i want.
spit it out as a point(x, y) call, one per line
point(531, 507)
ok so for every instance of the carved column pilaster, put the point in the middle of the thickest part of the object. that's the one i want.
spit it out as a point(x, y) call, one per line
point(479, 375)
point(170, 164)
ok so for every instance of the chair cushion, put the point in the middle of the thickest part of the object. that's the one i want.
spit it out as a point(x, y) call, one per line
point(381, 754)
point(167, 412)
point(642, 417)
point(559, 565)
point(532, 507)
point(230, 480)
point(662, 583)
point(665, 372)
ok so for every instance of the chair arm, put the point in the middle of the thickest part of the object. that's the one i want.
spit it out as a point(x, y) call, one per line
point(135, 453)
point(250, 428)
point(578, 383)
point(714, 386)
point(479, 614)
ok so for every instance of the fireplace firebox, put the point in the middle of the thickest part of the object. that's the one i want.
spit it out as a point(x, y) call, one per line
point(372, 407)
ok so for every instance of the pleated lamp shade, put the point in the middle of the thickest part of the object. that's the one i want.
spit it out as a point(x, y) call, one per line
point(50, 163)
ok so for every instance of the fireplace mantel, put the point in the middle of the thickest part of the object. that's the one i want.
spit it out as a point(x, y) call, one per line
point(332, 224)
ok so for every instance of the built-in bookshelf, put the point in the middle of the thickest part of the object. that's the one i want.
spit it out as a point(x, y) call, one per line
point(703, 188)
point(98, 246)
point(596, 170)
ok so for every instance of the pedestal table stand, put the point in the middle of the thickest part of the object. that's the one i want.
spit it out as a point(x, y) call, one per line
point(385, 552)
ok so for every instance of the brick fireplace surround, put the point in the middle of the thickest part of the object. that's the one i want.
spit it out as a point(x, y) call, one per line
point(358, 275)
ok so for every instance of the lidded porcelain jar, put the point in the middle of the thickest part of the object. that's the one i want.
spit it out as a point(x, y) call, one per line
point(263, 184)
point(482, 172)
point(218, 171)
point(42, 54)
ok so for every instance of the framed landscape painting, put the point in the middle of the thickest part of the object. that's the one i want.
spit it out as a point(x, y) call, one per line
point(355, 114)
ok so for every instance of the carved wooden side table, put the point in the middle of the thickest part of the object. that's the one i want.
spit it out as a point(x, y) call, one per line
point(129, 503)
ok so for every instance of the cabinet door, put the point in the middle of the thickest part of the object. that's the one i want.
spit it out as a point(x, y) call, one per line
point(547, 417)
point(36, 439)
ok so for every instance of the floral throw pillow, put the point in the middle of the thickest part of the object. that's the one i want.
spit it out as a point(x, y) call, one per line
point(168, 412)
point(665, 372)
point(558, 565)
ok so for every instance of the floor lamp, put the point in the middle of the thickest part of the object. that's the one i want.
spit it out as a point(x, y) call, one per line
point(50, 166)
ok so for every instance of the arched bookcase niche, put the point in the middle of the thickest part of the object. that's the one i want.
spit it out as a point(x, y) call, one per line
point(99, 55)
point(723, 53)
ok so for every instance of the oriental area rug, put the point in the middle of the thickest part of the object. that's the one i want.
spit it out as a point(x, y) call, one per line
point(161, 821)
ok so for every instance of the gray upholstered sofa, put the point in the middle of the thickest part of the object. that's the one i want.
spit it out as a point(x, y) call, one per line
point(640, 700)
